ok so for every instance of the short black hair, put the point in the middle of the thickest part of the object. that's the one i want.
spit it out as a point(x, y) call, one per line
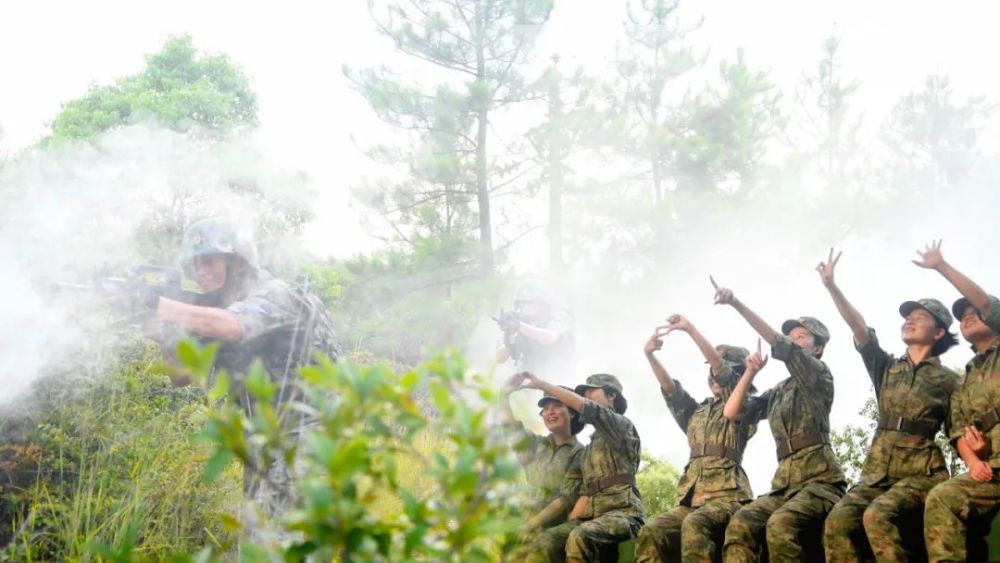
point(944, 343)
point(618, 403)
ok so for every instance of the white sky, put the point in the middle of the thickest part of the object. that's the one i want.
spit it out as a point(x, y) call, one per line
point(51, 52)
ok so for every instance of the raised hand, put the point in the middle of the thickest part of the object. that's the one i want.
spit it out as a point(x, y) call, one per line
point(530, 381)
point(655, 341)
point(825, 269)
point(757, 360)
point(723, 296)
point(931, 257)
point(678, 322)
point(514, 382)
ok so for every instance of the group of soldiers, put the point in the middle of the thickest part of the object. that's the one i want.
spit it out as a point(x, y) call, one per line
point(905, 507)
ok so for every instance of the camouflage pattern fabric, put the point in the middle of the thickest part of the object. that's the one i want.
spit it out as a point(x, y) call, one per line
point(778, 528)
point(715, 486)
point(809, 481)
point(551, 470)
point(686, 534)
point(282, 327)
point(957, 514)
point(611, 515)
point(879, 522)
point(962, 507)
point(900, 467)
point(553, 361)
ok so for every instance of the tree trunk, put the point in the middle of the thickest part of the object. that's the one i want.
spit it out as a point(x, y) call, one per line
point(482, 179)
point(555, 174)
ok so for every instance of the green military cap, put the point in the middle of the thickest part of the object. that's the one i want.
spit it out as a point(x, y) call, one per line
point(547, 398)
point(733, 354)
point(811, 324)
point(599, 380)
point(932, 306)
point(958, 309)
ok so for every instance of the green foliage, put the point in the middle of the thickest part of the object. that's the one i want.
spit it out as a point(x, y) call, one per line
point(400, 305)
point(657, 483)
point(178, 89)
point(364, 448)
point(118, 475)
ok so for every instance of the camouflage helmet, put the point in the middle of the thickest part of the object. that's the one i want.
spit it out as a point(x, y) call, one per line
point(932, 306)
point(531, 292)
point(733, 354)
point(812, 324)
point(216, 236)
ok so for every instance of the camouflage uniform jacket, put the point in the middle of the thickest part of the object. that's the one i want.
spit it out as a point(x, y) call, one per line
point(921, 394)
point(980, 392)
point(282, 326)
point(708, 478)
point(614, 449)
point(798, 406)
point(552, 470)
point(554, 361)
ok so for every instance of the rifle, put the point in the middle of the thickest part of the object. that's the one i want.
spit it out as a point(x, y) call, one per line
point(136, 289)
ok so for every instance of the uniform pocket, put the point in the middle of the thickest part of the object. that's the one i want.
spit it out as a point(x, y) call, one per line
point(717, 479)
point(909, 460)
point(808, 464)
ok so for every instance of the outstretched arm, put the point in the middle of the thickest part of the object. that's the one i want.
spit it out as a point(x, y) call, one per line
point(565, 396)
point(210, 322)
point(733, 410)
point(932, 259)
point(654, 343)
point(853, 318)
point(724, 296)
point(678, 322)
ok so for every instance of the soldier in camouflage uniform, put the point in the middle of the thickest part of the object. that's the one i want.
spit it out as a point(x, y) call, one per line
point(958, 512)
point(537, 335)
point(252, 316)
point(552, 463)
point(809, 480)
point(611, 509)
point(903, 463)
point(714, 485)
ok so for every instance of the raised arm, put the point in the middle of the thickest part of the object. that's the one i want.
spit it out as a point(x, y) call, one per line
point(853, 318)
point(932, 259)
point(565, 396)
point(733, 409)
point(679, 322)
point(725, 296)
point(654, 343)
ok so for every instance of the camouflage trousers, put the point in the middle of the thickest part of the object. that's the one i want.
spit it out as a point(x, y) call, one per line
point(686, 534)
point(584, 540)
point(958, 511)
point(867, 523)
point(269, 492)
point(785, 527)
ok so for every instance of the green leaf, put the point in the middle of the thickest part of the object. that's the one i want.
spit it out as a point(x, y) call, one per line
point(217, 464)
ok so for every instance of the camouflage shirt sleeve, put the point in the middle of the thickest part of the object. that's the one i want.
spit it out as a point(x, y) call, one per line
point(572, 481)
point(619, 430)
point(958, 417)
point(876, 360)
point(267, 308)
point(524, 441)
point(991, 316)
point(809, 372)
point(755, 408)
point(680, 403)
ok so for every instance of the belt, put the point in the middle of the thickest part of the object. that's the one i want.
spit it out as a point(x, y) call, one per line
point(594, 486)
point(908, 425)
point(990, 419)
point(716, 450)
point(788, 446)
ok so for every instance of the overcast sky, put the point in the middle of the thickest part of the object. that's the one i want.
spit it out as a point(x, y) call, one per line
point(51, 52)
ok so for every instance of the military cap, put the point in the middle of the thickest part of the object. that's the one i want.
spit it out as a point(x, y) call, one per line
point(961, 305)
point(546, 398)
point(932, 306)
point(811, 324)
point(733, 354)
point(600, 380)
